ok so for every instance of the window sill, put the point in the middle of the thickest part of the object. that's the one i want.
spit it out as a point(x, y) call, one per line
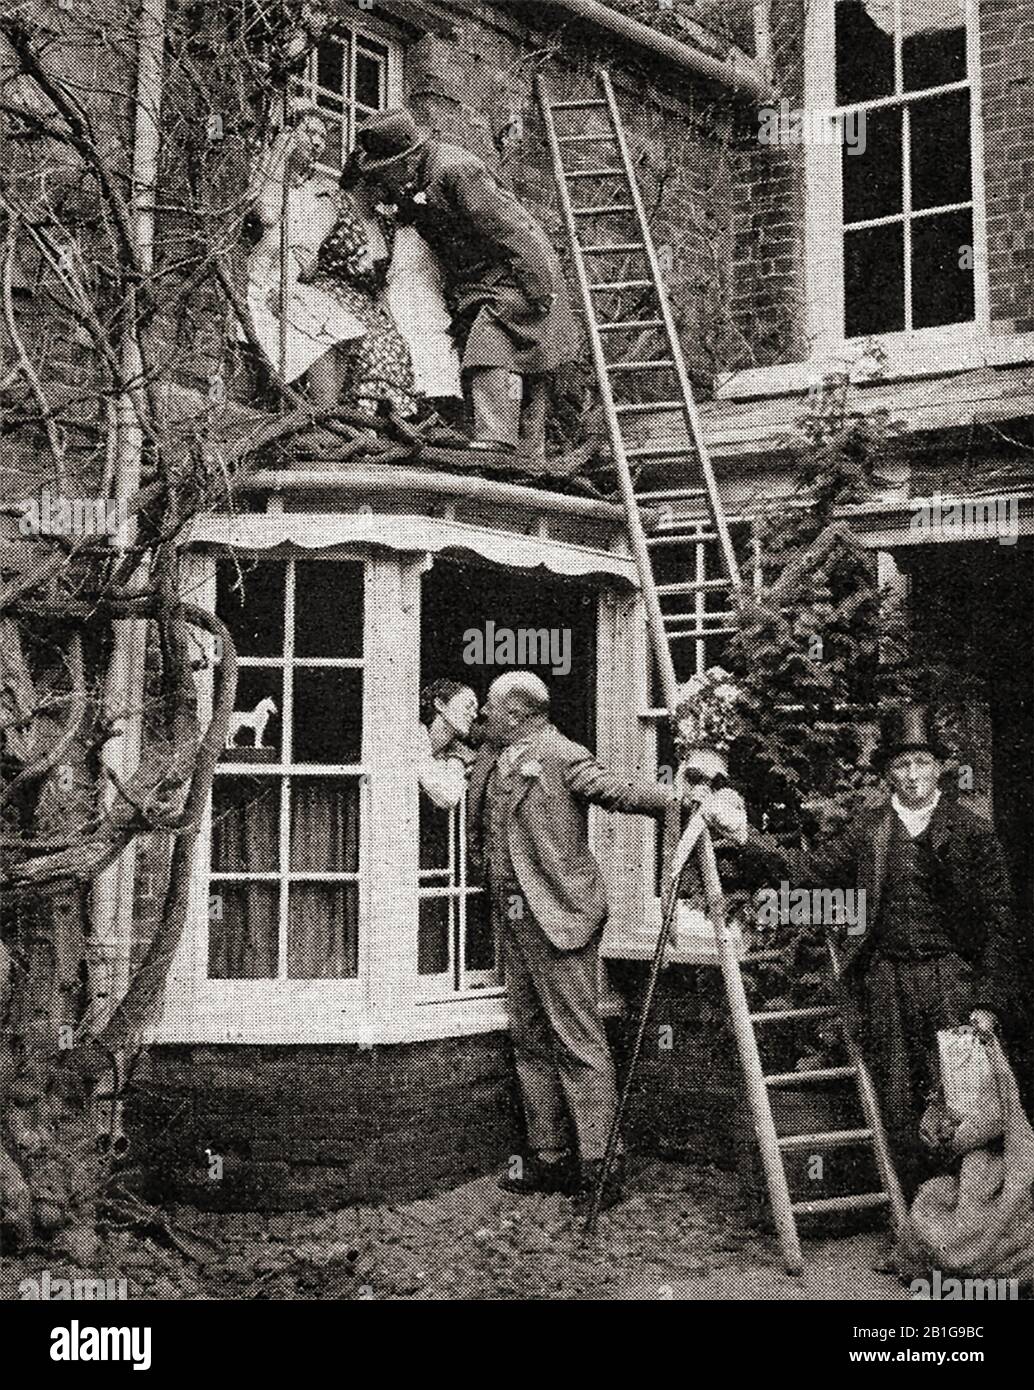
point(904, 362)
point(321, 1019)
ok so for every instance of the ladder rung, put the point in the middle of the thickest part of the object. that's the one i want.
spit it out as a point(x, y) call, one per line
point(650, 364)
point(603, 209)
point(629, 325)
point(798, 1078)
point(593, 173)
point(671, 495)
point(692, 586)
point(613, 248)
point(584, 139)
point(621, 285)
point(648, 406)
point(832, 1139)
point(783, 1015)
point(581, 104)
point(660, 451)
point(858, 1202)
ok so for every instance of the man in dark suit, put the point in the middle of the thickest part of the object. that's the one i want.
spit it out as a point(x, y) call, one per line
point(529, 793)
point(507, 290)
point(935, 946)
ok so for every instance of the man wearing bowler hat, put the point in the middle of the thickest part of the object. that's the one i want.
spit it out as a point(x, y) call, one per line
point(935, 944)
point(512, 313)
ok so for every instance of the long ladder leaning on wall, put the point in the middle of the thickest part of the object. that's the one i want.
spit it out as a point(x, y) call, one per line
point(597, 130)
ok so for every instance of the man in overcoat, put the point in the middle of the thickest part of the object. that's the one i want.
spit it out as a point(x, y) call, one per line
point(935, 945)
point(512, 311)
point(530, 790)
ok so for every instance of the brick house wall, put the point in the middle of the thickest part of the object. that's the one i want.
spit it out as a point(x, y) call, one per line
point(1007, 64)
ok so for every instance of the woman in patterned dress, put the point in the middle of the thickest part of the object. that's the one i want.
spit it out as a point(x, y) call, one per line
point(376, 369)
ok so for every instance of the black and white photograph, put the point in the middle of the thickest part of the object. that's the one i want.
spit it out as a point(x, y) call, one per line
point(516, 668)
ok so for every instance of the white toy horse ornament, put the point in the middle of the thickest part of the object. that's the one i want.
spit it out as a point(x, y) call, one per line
point(255, 720)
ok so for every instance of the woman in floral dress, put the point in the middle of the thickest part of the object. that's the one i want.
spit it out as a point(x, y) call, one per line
point(351, 266)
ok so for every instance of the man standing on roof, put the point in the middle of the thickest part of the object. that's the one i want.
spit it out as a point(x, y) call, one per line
point(512, 313)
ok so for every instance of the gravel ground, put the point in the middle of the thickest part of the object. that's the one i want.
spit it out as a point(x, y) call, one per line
point(682, 1233)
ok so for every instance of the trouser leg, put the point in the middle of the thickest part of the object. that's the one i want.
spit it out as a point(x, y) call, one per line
point(538, 1079)
point(534, 408)
point(906, 1003)
point(495, 396)
point(566, 984)
point(889, 1057)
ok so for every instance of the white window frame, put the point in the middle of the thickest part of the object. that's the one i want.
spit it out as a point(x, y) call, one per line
point(387, 1001)
point(824, 269)
point(287, 771)
point(451, 882)
point(307, 86)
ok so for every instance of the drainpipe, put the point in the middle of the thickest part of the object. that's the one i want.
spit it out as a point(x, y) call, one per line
point(123, 692)
point(740, 73)
point(763, 37)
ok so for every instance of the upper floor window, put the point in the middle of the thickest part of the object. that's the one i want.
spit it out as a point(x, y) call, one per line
point(349, 77)
point(894, 213)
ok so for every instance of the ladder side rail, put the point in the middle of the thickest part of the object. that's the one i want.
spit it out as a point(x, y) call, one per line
point(867, 1097)
point(636, 532)
point(689, 406)
point(758, 1101)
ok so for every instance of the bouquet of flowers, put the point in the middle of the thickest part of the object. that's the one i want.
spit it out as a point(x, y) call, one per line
point(706, 714)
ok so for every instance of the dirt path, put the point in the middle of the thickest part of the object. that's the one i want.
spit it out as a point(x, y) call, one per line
point(682, 1233)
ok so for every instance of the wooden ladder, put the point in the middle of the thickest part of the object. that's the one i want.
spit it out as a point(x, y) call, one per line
point(607, 221)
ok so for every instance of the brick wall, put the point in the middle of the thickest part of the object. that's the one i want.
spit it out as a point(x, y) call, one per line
point(317, 1125)
point(472, 86)
point(1007, 63)
point(768, 206)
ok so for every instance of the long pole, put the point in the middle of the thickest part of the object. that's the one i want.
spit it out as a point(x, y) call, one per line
point(124, 679)
point(695, 831)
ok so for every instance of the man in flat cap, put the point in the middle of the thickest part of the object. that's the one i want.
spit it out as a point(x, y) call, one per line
point(935, 945)
point(512, 312)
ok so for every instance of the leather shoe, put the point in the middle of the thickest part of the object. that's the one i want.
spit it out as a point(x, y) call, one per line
point(539, 1176)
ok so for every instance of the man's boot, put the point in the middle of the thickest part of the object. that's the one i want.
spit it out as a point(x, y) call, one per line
point(613, 1191)
point(538, 1175)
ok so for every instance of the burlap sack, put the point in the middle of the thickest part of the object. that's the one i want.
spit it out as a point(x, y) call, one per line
point(972, 1096)
point(981, 1223)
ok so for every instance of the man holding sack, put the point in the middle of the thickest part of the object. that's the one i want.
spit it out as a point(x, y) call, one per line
point(935, 947)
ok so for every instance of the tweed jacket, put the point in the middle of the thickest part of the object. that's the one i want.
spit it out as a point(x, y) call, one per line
point(548, 830)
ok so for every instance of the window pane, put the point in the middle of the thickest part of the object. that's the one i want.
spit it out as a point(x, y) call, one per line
point(940, 151)
point(328, 716)
point(330, 65)
point(255, 731)
point(433, 935)
point(434, 834)
point(328, 608)
point(933, 49)
point(872, 174)
point(246, 825)
point(369, 80)
point(243, 931)
point(323, 931)
point(864, 53)
point(325, 825)
point(250, 600)
point(942, 291)
point(874, 281)
point(480, 943)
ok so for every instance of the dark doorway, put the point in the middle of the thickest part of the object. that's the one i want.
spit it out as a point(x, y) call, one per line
point(972, 606)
